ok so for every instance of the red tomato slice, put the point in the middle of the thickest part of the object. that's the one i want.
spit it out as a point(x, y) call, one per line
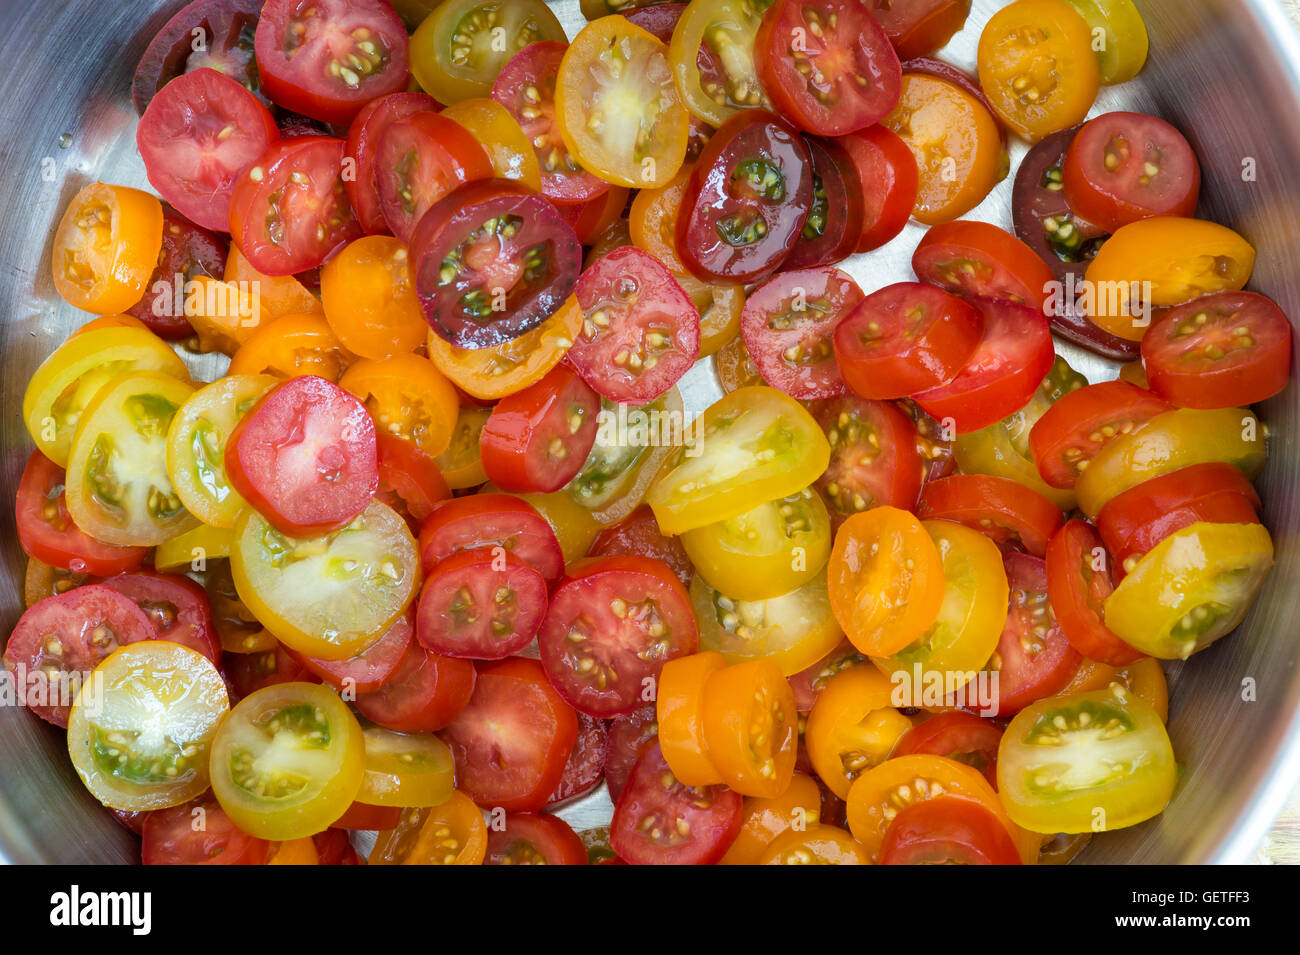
point(536, 440)
point(200, 134)
point(660, 821)
point(612, 625)
point(512, 741)
point(1033, 660)
point(249, 672)
point(837, 218)
point(368, 671)
point(188, 250)
point(591, 218)
point(1122, 167)
point(491, 520)
point(875, 459)
point(526, 88)
point(807, 685)
point(480, 605)
point(1132, 523)
point(305, 457)
point(328, 58)
point(1006, 510)
point(46, 530)
point(290, 210)
point(59, 640)
point(959, 736)
point(586, 765)
point(629, 737)
point(640, 330)
point(177, 607)
point(1012, 359)
point(906, 339)
point(638, 534)
point(919, 27)
point(1079, 579)
point(364, 134)
point(425, 693)
point(1084, 421)
point(888, 177)
point(170, 837)
point(827, 65)
point(948, 830)
point(534, 838)
point(1225, 350)
point(789, 323)
point(334, 848)
point(420, 158)
point(409, 479)
point(362, 816)
point(978, 260)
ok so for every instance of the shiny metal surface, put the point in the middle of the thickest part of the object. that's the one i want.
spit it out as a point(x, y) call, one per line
point(1226, 72)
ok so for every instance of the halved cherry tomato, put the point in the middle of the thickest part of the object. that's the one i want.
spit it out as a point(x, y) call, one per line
point(1080, 576)
point(405, 770)
point(407, 397)
point(461, 46)
point(679, 702)
point(747, 199)
point(1144, 678)
point(105, 248)
point(200, 134)
point(1037, 66)
point(809, 683)
point(592, 219)
point(712, 54)
point(888, 178)
point(735, 367)
point(1088, 763)
point(374, 818)
point(748, 719)
point(947, 830)
point(975, 259)
point(509, 149)
point(612, 624)
point(955, 141)
point(827, 65)
point(905, 339)
point(409, 480)
point(177, 607)
point(661, 821)
point(764, 820)
point(46, 530)
point(1227, 349)
point(292, 346)
point(372, 667)
point(41, 581)
point(639, 533)
point(462, 464)
point(330, 58)
point(959, 736)
point(853, 727)
point(586, 764)
point(491, 520)
point(534, 839)
point(1008, 365)
point(511, 742)
point(816, 845)
point(424, 694)
point(188, 252)
point(885, 580)
point(480, 605)
point(170, 837)
point(452, 833)
point(364, 134)
point(919, 27)
point(249, 672)
point(788, 324)
point(304, 457)
point(1006, 511)
point(836, 218)
point(1122, 167)
point(369, 300)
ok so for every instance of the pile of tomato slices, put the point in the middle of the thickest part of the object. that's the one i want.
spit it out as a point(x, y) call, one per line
point(441, 553)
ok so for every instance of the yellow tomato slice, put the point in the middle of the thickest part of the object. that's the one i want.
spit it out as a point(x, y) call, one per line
point(406, 769)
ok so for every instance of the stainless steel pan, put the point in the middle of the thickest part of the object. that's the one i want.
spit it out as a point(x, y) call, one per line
point(1226, 72)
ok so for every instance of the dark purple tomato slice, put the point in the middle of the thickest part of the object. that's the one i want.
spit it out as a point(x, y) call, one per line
point(836, 217)
point(188, 250)
point(629, 737)
point(586, 763)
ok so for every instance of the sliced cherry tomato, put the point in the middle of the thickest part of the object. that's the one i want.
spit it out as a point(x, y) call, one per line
point(406, 770)
point(639, 533)
point(200, 134)
point(534, 839)
point(749, 721)
point(1124, 50)
point(747, 200)
point(1037, 66)
point(493, 244)
point(788, 324)
point(251, 671)
point(612, 624)
point(373, 818)
point(424, 694)
point(290, 210)
point(476, 604)
point(827, 65)
point(764, 820)
point(177, 607)
point(836, 218)
point(462, 464)
point(586, 764)
point(852, 727)
point(905, 339)
point(369, 300)
point(713, 61)
point(1080, 576)
point(453, 833)
point(228, 27)
point(1008, 512)
point(591, 219)
point(874, 456)
point(304, 457)
point(364, 134)
point(1144, 678)
point(735, 367)
point(887, 175)
point(41, 581)
point(1089, 763)
point(815, 845)
point(978, 260)
point(956, 144)
point(329, 58)
point(491, 520)
point(292, 346)
point(1008, 365)
point(509, 149)
point(511, 742)
point(46, 530)
point(170, 837)
point(370, 669)
point(537, 439)
point(407, 397)
point(959, 736)
point(105, 248)
point(661, 821)
point(809, 683)
point(1228, 349)
point(947, 830)
point(1122, 167)
point(188, 251)
point(629, 737)
point(919, 27)
point(679, 702)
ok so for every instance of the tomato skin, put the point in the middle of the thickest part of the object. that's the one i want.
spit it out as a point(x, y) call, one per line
point(46, 530)
point(534, 839)
point(169, 837)
point(629, 737)
point(947, 830)
point(919, 27)
point(364, 133)
point(491, 520)
point(344, 439)
point(512, 741)
point(885, 350)
point(849, 45)
point(979, 260)
point(424, 694)
point(200, 134)
point(1080, 576)
point(409, 479)
point(639, 533)
point(956, 735)
point(369, 670)
point(286, 56)
point(586, 763)
point(888, 178)
point(1184, 355)
point(1005, 510)
point(177, 606)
